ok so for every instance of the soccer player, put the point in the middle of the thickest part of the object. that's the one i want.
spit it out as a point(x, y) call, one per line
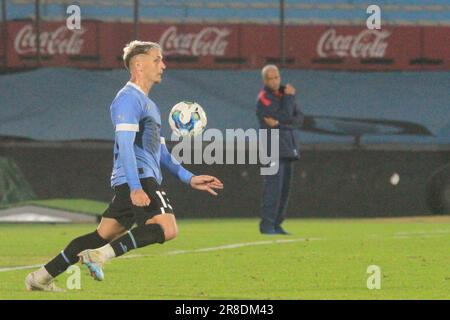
point(136, 177)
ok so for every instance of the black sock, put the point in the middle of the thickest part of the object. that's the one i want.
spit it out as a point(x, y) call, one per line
point(137, 238)
point(68, 256)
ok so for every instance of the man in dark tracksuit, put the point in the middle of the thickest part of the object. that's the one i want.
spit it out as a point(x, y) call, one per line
point(276, 109)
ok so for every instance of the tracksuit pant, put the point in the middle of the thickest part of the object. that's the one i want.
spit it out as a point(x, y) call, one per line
point(275, 196)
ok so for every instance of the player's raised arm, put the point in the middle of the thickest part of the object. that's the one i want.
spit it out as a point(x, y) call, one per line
point(174, 167)
point(202, 182)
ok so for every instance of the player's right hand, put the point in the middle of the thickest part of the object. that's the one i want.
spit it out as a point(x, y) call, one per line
point(139, 198)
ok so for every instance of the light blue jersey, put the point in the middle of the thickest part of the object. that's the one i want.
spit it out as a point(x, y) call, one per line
point(139, 150)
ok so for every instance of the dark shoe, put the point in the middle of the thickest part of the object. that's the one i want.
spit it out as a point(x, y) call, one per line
point(280, 230)
point(268, 231)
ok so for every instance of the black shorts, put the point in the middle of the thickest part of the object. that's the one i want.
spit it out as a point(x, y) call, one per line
point(128, 214)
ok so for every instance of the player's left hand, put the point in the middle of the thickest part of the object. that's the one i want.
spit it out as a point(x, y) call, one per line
point(206, 183)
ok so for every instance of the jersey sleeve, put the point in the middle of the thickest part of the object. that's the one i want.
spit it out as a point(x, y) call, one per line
point(125, 113)
point(125, 118)
point(174, 167)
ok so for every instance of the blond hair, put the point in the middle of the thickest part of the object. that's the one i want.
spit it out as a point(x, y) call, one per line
point(135, 48)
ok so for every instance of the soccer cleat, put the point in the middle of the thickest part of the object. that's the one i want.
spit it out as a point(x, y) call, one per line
point(32, 284)
point(94, 261)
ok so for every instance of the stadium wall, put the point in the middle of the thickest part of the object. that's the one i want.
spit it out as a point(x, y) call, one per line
point(99, 45)
point(330, 181)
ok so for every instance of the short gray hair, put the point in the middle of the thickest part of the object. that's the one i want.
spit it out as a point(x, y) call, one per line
point(267, 68)
point(137, 47)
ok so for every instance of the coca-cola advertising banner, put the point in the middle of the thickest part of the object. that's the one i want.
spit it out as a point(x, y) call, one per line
point(59, 46)
point(200, 41)
point(100, 45)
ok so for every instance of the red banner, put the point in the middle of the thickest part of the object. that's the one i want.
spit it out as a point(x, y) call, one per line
point(59, 46)
point(353, 48)
point(100, 45)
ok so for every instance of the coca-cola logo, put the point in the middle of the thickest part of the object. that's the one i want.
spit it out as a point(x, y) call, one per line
point(60, 41)
point(208, 41)
point(366, 44)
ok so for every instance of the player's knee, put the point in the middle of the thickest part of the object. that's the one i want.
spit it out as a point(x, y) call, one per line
point(110, 229)
point(107, 235)
point(170, 233)
point(170, 230)
point(168, 224)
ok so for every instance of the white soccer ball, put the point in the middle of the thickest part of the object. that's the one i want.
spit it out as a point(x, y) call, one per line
point(187, 119)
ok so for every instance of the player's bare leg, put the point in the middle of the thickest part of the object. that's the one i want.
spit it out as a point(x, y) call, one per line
point(42, 279)
point(109, 229)
point(158, 229)
point(168, 223)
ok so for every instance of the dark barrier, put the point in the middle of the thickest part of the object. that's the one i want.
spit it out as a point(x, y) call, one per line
point(13, 186)
point(334, 181)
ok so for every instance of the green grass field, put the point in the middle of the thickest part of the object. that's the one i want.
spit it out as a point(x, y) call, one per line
point(323, 259)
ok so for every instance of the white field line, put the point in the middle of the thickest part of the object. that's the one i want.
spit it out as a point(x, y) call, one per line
point(421, 236)
point(177, 252)
point(224, 247)
point(21, 268)
point(423, 233)
point(415, 234)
